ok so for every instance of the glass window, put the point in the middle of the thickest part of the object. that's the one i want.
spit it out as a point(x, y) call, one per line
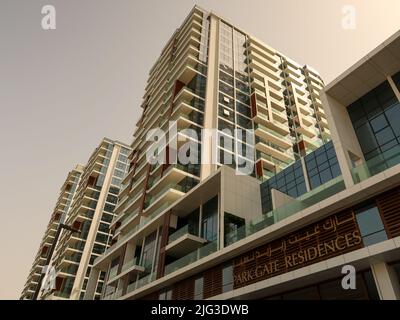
point(226, 78)
point(227, 89)
point(227, 278)
point(210, 220)
point(198, 288)
point(376, 121)
point(371, 225)
point(322, 165)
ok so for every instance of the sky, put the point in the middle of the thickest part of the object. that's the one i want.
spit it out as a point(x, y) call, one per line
point(63, 90)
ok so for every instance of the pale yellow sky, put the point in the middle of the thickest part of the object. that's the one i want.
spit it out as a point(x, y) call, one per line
point(61, 91)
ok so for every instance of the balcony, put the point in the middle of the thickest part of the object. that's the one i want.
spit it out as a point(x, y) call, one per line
point(272, 136)
point(275, 151)
point(128, 219)
point(313, 197)
point(307, 131)
point(174, 173)
point(323, 123)
point(311, 143)
point(184, 241)
point(131, 266)
point(170, 193)
point(376, 164)
point(191, 257)
point(272, 124)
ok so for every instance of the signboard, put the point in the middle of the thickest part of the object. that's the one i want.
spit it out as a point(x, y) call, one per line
point(325, 239)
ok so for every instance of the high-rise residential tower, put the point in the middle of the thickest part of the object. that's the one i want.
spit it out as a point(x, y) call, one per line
point(325, 227)
point(60, 214)
point(210, 76)
point(95, 188)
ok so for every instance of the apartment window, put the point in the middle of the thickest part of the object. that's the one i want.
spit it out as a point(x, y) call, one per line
point(225, 126)
point(226, 113)
point(109, 207)
point(122, 158)
point(322, 165)
point(243, 109)
point(243, 98)
point(113, 190)
point(233, 228)
point(148, 251)
point(198, 85)
point(116, 181)
point(198, 288)
point(98, 248)
point(242, 86)
point(245, 123)
point(210, 220)
point(226, 89)
point(112, 199)
point(227, 278)
point(165, 294)
point(370, 223)
point(376, 121)
point(101, 237)
point(226, 101)
point(226, 78)
point(118, 173)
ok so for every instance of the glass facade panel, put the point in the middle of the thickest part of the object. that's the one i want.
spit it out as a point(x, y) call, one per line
point(376, 120)
point(198, 288)
point(290, 181)
point(370, 223)
point(322, 165)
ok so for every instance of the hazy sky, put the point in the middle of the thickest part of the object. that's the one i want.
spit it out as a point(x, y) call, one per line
point(61, 91)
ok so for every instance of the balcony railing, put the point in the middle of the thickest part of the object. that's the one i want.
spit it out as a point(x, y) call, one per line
point(113, 272)
point(314, 196)
point(181, 232)
point(191, 257)
point(376, 164)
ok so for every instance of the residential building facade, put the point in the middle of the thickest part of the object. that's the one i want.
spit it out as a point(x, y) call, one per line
point(334, 211)
point(90, 211)
point(59, 215)
point(171, 214)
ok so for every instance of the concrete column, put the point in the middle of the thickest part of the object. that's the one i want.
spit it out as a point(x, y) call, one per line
point(92, 284)
point(305, 173)
point(386, 281)
point(210, 108)
point(394, 87)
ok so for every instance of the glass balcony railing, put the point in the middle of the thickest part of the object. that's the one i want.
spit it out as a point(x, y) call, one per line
point(191, 257)
point(376, 164)
point(314, 196)
point(113, 272)
point(272, 132)
point(181, 232)
point(151, 199)
point(141, 282)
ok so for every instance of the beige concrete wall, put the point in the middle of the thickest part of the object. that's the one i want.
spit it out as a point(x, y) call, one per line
point(279, 198)
point(210, 109)
point(240, 194)
point(343, 136)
